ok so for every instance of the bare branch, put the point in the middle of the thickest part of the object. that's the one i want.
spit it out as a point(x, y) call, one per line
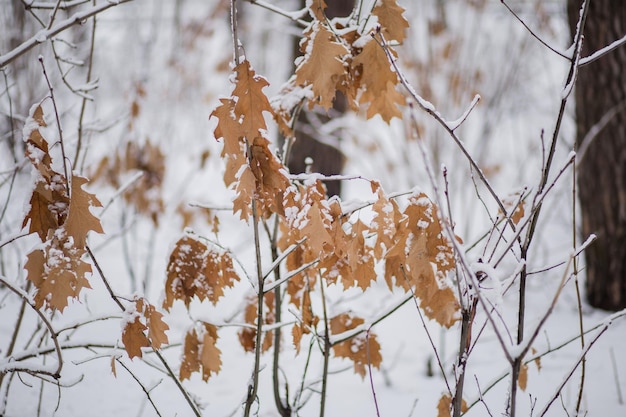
point(45, 34)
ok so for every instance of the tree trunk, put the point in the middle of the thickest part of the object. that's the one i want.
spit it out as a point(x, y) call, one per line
point(601, 108)
point(323, 150)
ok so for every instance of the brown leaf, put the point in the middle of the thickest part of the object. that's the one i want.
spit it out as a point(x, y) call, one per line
point(362, 349)
point(271, 179)
point(421, 258)
point(445, 405)
point(190, 362)
point(251, 101)
point(390, 18)
point(145, 193)
point(322, 65)
point(43, 213)
point(228, 128)
point(515, 207)
point(247, 335)
point(377, 81)
point(49, 201)
point(79, 219)
point(386, 216)
point(522, 380)
point(210, 357)
point(133, 337)
point(156, 327)
point(194, 270)
point(296, 333)
point(537, 360)
point(58, 272)
point(113, 370)
point(39, 117)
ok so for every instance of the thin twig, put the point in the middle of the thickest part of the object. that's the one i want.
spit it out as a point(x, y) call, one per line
point(143, 387)
point(44, 35)
point(430, 339)
point(56, 374)
point(58, 120)
point(326, 351)
point(533, 34)
point(369, 367)
point(158, 354)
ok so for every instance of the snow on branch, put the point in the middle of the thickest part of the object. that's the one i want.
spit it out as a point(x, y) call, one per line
point(45, 34)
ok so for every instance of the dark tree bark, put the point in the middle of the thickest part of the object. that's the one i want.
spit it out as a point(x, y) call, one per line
point(601, 106)
point(310, 142)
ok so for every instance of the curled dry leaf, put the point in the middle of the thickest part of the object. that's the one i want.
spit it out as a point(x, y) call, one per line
point(49, 201)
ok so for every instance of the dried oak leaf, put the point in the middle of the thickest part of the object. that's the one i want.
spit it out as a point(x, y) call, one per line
point(322, 65)
point(362, 350)
point(134, 338)
point(228, 128)
point(79, 219)
point(271, 177)
point(250, 165)
point(420, 260)
point(194, 270)
point(58, 272)
point(49, 201)
point(143, 316)
point(386, 216)
point(200, 352)
point(378, 82)
point(251, 101)
point(47, 207)
point(515, 207)
point(156, 326)
point(390, 18)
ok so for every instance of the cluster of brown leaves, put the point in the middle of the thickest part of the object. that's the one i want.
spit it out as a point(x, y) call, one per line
point(338, 59)
point(251, 168)
point(412, 244)
point(60, 214)
point(142, 316)
point(145, 194)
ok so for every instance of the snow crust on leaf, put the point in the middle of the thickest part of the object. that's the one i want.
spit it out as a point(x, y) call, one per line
point(195, 270)
point(362, 350)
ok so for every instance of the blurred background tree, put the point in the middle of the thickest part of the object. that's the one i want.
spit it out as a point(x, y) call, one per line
point(601, 140)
